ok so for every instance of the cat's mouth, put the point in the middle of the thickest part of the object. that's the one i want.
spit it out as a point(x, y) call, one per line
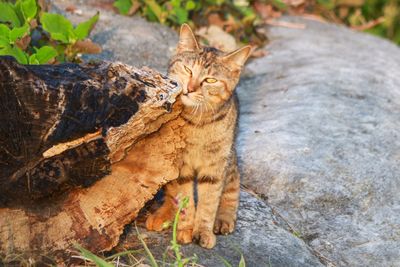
point(192, 99)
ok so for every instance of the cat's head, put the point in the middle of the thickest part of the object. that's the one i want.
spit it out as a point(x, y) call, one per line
point(207, 75)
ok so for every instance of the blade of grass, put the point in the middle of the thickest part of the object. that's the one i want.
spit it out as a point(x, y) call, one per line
point(224, 261)
point(148, 252)
point(123, 253)
point(242, 263)
point(92, 257)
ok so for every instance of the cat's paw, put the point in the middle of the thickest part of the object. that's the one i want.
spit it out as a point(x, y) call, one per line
point(205, 238)
point(156, 221)
point(224, 226)
point(184, 236)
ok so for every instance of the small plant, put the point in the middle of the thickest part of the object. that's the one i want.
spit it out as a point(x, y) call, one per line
point(236, 17)
point(241, 18)
point(379, 17)
point(33, 36)
point(178, 261)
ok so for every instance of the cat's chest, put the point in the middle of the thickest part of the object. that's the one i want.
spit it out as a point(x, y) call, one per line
point(205, 140)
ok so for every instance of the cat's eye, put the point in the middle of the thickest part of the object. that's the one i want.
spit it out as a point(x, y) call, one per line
point(188, 70)
point(210, 80)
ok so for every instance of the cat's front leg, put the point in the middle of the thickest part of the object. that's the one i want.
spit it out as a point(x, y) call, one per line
point(185, 227)
point(175, 191)
point(228, 206)
point(209, 188)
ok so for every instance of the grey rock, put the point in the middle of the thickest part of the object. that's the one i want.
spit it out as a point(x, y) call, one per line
point(259, 236)
point(319, 138)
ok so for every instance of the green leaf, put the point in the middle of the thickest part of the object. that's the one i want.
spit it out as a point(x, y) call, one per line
point(45, 54)
point(190, 5)
point(175, 3)
point(149, 14)
point(224, 261)
point(18, 32)
point(181, 15)
point(15, 52)
point(397, 37)
point(328, 4)
point(18, 11)
point(60, 28)
point(156, 9)
point(279, 4)
point(4, 42)
point(4, 31)
point(90, 256)
point(83, 29)
point(242, 263)
point(29, 9)
point(124, 253)
point(8, 14)
point(123, 6)
point(32, 60)
point(215, 2)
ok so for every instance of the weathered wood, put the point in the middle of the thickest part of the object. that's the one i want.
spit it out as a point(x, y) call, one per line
point(81, 151)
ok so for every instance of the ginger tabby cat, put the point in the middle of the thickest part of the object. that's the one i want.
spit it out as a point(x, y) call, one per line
point(208, 78)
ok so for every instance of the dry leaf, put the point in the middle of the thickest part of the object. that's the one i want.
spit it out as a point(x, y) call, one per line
point(33, 23)
point(215, 19)
point(23, 42)
point(266, 11)
point(256, 53)
point(217, 38)
point(369, 24)
point(352, 3)
point(71, 9)
point(134, 8)
point(103, 4)
point(343, 12)
point(87, 47)
point(44, 5)
point(228, 25)
point(231, 25)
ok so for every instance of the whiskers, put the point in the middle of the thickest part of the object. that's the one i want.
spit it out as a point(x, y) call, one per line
point(202, 106)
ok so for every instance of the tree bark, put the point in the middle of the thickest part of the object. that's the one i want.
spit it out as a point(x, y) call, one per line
point(82, 149)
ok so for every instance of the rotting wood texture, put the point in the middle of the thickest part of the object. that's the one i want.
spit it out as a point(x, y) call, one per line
point(82, 149)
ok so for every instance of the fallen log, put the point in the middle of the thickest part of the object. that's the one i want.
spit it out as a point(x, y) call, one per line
point(81, 151)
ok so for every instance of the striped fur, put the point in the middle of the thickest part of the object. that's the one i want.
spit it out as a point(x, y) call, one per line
point(208, 78)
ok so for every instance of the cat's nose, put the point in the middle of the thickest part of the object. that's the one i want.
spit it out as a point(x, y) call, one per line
point(191, 86)
point(190, 89)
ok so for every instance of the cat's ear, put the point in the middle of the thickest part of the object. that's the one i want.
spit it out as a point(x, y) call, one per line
point(237, 58)
point(187, 41)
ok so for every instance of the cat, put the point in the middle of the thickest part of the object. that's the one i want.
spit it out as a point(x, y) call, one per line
point(208, 78)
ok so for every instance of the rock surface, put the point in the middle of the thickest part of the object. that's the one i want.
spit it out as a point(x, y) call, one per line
point(262, 239)
point(260, 236)
point(319, 138)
